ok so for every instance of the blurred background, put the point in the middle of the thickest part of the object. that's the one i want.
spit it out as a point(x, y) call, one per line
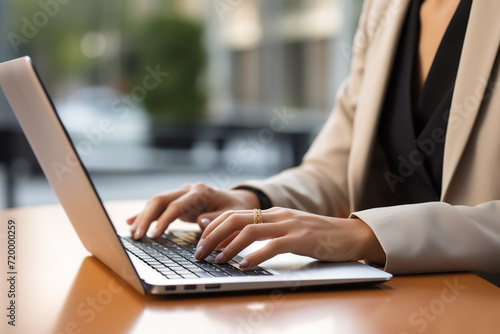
point(159, 93)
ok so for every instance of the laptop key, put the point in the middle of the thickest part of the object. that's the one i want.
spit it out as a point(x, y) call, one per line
point(175, 276)
point(182, 272)
point(191, 266)
point(235, 272)
point(219, 274)
point(203, 274)
point(187, 276)
point(198, 270)
point(257, 273)
point(176, 260)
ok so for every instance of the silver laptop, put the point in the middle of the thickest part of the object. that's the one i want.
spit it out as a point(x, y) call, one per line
point(157, 266)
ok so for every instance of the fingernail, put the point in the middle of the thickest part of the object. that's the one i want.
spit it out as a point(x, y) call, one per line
point(197, 254)
point(137, 234)
point(220, 258)
point(154, 233)
point(243, 263)
point(133, 226)
point(205, 222)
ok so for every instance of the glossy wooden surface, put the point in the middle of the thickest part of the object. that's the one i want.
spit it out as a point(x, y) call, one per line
point(61, 288)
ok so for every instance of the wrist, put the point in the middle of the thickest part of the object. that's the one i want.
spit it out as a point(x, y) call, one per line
point(264, 201)
point(248, 198)
point(371, 249)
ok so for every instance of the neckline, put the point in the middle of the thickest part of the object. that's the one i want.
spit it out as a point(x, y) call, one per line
point(417, 98)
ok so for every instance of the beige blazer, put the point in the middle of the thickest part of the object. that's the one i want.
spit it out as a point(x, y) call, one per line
point(344, 172)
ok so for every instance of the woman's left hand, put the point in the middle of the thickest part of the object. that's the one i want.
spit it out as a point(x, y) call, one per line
point(298, 232)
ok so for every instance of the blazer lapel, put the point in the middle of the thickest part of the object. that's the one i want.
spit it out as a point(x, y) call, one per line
point(379, 60)
point(478, 57)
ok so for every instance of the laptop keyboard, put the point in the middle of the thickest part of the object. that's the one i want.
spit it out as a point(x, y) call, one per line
point(172, 256)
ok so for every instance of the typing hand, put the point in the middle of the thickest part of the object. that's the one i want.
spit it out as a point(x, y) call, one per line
point(289, 231)
point(192, 202)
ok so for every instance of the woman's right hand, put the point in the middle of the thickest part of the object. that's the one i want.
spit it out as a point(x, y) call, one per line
point(191, 202)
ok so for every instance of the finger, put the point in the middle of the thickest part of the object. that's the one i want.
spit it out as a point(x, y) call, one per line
point(131, 220)
point(184, 205)
point(216, 222)
point(169, 215)
point(271, 249)
point(225, 226)
point(228, 240)
point(269, 217)
point(204, 219)
point(248, 235)
point(152, 211)
point(203, 223)
point(144, 219)
point(202, 200)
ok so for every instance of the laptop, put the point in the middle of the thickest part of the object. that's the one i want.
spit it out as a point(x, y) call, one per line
point(164, 265)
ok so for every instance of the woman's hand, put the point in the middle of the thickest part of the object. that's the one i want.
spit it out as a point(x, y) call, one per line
point(192, 202)
point(320, 237)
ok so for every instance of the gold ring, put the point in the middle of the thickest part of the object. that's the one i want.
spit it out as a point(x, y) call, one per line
point(257, 216)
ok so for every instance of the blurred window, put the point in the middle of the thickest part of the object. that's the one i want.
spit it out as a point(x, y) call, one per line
point(182, 85)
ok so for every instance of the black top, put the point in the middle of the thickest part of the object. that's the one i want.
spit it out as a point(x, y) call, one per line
point(412, 133)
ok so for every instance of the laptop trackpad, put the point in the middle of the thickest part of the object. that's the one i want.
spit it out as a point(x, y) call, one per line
point(285, 262)
point(304, 267)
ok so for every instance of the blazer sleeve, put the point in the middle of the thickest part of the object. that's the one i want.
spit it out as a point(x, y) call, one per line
point(319, 184)
point(437, 237)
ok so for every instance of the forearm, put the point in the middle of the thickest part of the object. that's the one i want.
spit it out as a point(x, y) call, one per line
point(437, 237)
point(306, 188)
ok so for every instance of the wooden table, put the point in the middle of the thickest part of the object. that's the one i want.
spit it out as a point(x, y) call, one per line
point(61, 288)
